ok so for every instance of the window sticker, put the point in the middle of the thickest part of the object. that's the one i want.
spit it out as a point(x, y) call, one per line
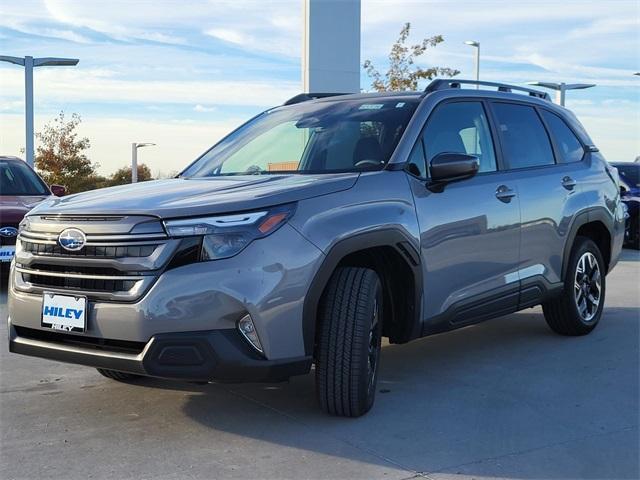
point(371, 106)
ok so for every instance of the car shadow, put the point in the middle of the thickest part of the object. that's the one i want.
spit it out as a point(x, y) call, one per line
point(455, 400)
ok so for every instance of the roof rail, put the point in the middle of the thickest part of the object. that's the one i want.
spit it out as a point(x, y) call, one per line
point(305, 97)
point(442, 84)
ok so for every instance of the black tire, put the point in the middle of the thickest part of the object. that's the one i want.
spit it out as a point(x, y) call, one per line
point(348, 342)
point(634, 233)
point(563, 314)
point(116, 375)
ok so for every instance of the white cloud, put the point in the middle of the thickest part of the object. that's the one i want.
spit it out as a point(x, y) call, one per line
point(90, 85)
point(202, 109)
point(227, 35)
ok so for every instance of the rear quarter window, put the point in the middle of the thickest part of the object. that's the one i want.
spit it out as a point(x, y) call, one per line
point(569, 147)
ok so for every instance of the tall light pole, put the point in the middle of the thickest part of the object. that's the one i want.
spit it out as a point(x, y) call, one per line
point(561, 88)
point(134, 159)
point(473, 43)
point(29, 63)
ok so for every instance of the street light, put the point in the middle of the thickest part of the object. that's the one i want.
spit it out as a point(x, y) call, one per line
point(134, 159)
point(561, 88)
point(29, 63)
point(473, 43)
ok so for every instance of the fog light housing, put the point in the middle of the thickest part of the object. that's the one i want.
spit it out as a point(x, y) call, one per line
point(248, 331)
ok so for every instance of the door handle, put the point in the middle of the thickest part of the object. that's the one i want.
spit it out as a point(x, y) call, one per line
point(568, 183)
point(505, 194)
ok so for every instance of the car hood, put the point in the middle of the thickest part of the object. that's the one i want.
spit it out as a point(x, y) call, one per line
point(187, 197)
point(14, 208)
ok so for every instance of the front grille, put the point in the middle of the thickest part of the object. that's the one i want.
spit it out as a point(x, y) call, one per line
point(8, 240)
point(75, 270)
point(101, 344)
point(85, 284)
point(122, 256)
point(80, 218)
point(136, 251)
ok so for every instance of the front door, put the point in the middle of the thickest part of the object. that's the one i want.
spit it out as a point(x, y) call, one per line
point(470, 231)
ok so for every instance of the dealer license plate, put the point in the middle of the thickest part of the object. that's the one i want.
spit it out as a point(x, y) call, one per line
point(64, 312)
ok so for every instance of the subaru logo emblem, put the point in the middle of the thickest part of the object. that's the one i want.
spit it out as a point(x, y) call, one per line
point(72, 239)
point(8, 232)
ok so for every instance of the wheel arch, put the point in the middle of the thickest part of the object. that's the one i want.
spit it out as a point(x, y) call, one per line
point(596, 224)
point(392, 254)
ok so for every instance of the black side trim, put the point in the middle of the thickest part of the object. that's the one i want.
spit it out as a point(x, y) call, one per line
point(536, 290)
point(512, 298)
point(474, 310)
point(380, 238)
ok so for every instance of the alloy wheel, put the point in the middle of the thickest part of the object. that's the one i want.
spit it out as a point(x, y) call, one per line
point(587, 286)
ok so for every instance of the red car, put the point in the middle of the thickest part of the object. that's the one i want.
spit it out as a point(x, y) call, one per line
point(21, 189)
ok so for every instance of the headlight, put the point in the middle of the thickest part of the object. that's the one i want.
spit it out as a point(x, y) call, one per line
point(216, 237)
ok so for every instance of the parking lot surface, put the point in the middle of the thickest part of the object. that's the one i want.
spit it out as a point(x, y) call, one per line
point(507, 398)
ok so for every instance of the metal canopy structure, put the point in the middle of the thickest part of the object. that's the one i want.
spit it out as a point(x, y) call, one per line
point(561, 88)
point(29, 63)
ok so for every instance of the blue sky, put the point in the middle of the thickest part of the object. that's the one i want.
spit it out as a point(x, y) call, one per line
point(184, 73)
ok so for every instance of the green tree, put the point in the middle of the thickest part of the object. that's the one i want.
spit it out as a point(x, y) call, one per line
point(403, 74)
point(61, 158)
point(122, 176)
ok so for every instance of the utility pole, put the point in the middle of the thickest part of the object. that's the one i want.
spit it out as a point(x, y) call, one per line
point(134, 159)
point(473, 43)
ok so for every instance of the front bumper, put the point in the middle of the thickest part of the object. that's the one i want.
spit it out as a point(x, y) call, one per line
point(268, 280)
point(216, 355)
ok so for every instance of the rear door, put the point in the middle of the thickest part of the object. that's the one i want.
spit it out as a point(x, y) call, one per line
point(548, 181)
point(470, 231)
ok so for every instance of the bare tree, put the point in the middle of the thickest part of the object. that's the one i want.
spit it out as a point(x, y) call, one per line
point(403, 74)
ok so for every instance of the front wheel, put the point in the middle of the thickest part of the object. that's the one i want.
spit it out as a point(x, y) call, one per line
point(578, 309)
point(348, 342)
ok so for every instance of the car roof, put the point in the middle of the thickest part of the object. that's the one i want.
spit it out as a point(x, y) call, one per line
point(10, 158)
point(625, 164)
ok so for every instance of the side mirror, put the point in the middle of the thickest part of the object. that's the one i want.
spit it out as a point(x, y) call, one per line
point(450, 167)
point(58, 190)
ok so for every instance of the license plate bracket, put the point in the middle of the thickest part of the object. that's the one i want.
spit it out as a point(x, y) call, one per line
point(66, 313)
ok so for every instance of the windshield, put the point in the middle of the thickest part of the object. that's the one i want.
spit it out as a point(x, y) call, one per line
point(630, 174)
point(16, 178)
point(312, 137)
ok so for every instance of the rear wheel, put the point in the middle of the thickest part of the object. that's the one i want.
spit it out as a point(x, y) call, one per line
point(116, 375)
point(578, 310)
point(633, 234)
point(349, 337)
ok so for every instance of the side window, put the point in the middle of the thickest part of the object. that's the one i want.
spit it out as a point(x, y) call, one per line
point(416, 164)
point(570, 147)
point(460, 127)
point(524, 139)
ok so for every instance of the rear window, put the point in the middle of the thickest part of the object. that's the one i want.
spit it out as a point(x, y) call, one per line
point(525, 142)
point(16, 178)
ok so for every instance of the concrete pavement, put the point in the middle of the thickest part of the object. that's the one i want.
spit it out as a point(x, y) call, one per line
point(507, 398)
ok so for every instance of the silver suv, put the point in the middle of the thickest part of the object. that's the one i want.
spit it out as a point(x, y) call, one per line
point(319, 227)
